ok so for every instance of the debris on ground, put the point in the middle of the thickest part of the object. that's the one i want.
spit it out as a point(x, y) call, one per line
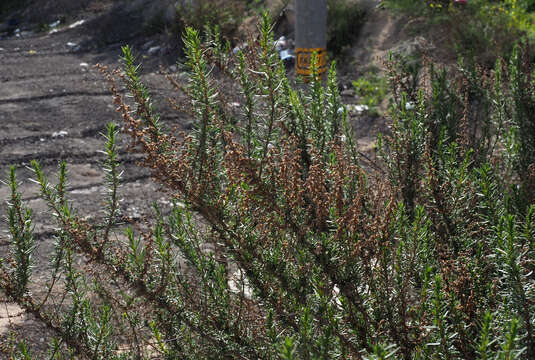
point(54, 24)
point(73, 47)
point(61, 133)
point(76, 24)
point(154, 50)
point(358, 108)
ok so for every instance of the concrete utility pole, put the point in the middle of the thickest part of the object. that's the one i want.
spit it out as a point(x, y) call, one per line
point(310, 35)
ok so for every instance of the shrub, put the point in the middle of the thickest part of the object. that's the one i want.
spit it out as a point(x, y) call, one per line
point(371, 90)
point(483, 29)
point(227, 15)
point(345, 18)
point(278, 243)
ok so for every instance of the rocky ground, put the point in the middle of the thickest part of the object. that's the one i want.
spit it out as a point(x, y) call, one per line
point(54, 105)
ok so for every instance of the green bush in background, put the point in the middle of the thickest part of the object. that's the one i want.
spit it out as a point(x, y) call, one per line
point(482, 28)
point(345, 18)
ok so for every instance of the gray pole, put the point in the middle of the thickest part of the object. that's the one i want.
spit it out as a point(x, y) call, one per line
point(310, 34)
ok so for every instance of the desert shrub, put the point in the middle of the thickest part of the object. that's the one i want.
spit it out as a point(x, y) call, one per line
point(279, 244)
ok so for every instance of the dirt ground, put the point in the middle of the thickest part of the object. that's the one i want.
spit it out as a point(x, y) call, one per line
point(54, 106)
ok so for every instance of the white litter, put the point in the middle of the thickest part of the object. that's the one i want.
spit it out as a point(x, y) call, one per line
point(409, 105)
point(280, 44)
point(73, 46)
point(361, 108)
point(54, 24)
point(285, 55)
point(61, 133)
point(75, 24)
point(84, 65)
point(153, 50)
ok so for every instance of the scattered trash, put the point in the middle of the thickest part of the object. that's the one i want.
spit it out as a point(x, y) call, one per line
point(17, 31)
point(2, 49)
point(42, 139)
point(84, 65)
point(280, 44)
point(76, 24)
point(362, 108)
point(54, 24)
point(32, 52)
point(16, 49)
point(61, 133)
point(286, 55)
point(358, 109)
point(154, 50)
point(409, 105)
point(347, 92)
point(73, 46)
point(340, 110)
point(234, 104)
point(173, 68)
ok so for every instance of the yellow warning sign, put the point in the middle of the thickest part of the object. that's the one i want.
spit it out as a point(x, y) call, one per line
point(304, 60)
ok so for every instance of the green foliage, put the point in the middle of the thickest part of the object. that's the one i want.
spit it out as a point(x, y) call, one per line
point(23, 352)
point(22, 242)
point(345, 18)
point(483, 29)
point(371, 90)
point(278, 244)
point(224, 14)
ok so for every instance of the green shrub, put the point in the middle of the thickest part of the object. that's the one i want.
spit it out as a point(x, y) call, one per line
point(483, 29)
point(371, 90)
point(345, 18)
point(292, 249)
point(225, 14)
